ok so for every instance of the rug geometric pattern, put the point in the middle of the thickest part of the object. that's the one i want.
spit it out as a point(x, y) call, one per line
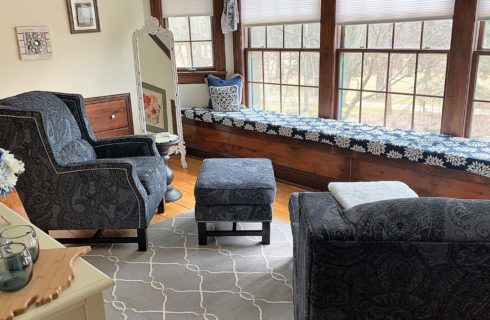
point(229, 278)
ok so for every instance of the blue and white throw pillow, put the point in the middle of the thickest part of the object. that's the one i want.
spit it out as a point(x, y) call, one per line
point(234, 80)
point(225, 98)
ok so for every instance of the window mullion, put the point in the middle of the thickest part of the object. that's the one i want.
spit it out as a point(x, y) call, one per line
point(280, 81)
point(386, 87)
point(190, 41)
point(361, 87)
point(299, 82)
point(415, 90)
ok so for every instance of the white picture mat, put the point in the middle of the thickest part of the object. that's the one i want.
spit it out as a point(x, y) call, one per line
point(75, 19)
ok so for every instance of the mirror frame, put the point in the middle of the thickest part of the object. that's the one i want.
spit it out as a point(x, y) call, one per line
point(152, 27)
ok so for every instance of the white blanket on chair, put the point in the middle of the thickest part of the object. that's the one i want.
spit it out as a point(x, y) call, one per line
point(350, 194)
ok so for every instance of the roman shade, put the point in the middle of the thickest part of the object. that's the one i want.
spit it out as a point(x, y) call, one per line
point(184, 8)
point(484, 9)
point(269, 12)
point(373, 11)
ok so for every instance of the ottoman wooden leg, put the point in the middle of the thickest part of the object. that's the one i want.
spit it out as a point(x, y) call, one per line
point(201, 230)
point(266, 232)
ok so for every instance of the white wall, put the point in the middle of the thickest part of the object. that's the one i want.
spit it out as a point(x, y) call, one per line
point(92, 64)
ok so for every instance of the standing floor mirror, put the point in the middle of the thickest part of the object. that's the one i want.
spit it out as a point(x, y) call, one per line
point(156, 81)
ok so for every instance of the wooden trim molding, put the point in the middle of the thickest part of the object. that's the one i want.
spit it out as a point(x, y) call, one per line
point(458, 75)
point(198, 76)
point(328, 66)
point(161, 45)
point(313, 164)
point(218, 37)
point(156, 10)
point(239, 61)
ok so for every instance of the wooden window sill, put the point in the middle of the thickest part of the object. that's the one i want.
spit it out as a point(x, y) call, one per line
point(186, 77)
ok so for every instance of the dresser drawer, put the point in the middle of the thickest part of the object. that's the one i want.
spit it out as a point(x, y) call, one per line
point(110, 115)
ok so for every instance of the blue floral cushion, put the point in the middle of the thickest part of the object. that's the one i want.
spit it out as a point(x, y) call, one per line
point(235, 80)
point(429, 148)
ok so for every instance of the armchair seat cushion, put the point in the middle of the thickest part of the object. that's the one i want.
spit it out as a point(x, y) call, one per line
point(150, 171)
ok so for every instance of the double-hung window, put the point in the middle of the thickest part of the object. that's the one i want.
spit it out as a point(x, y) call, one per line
point(392, 58)
point(193, 38)
point(393, 74)
point(199, 42)
point(282, 55)
point(283, 67)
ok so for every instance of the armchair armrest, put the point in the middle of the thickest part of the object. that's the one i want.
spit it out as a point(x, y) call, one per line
point(321, 214)
point(126, 146)
point(422, 219)
point(108, 188)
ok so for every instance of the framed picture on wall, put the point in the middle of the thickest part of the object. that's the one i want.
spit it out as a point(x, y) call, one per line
point(83, 15)
point(155, 103)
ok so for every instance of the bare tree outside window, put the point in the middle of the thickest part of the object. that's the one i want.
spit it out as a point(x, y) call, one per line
point(393, 74)
point(283, 68)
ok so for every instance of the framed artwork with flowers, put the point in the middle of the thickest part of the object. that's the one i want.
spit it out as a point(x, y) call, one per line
point(34, 43)
point(155, 104)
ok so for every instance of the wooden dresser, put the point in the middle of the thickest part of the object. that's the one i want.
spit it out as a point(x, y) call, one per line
point(110, 116)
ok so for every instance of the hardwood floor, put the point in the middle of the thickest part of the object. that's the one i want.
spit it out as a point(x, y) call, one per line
point(185, 180)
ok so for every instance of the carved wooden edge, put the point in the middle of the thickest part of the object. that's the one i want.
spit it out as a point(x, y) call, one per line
point(198, 76)
point(20, 301)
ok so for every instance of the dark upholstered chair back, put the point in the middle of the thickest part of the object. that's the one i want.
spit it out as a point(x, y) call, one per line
point(62, 130)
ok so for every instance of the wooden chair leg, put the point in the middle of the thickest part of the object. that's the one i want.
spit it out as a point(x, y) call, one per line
point(161, 206)
point(201, 230)
point(266, 232)
point(142, 240)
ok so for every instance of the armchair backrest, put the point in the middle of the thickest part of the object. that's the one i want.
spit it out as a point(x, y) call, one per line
point(61, 128)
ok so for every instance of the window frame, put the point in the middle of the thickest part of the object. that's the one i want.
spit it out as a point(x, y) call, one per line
point(190, 41)
point(456, 109)
point(300, 49)
point(218, 39)
point(388, 51)
point(477, 54)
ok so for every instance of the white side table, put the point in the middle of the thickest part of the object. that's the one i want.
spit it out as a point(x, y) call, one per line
point(82, 300)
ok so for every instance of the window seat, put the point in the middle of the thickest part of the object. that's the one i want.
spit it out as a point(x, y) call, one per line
point(429, 148)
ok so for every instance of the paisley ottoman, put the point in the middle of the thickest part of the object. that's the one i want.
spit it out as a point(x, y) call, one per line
point(235, 190)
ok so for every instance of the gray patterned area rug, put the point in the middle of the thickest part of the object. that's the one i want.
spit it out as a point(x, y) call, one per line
point(230, 278)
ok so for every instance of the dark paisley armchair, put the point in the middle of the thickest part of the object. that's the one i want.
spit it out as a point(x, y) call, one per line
point(420, 259)
point(74, 181)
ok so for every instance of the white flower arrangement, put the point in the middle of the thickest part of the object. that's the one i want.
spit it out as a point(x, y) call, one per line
point(10, 169)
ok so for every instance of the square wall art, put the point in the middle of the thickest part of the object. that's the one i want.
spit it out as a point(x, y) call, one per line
point(34, 43)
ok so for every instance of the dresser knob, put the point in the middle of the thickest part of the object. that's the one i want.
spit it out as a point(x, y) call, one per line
point(113, 116)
